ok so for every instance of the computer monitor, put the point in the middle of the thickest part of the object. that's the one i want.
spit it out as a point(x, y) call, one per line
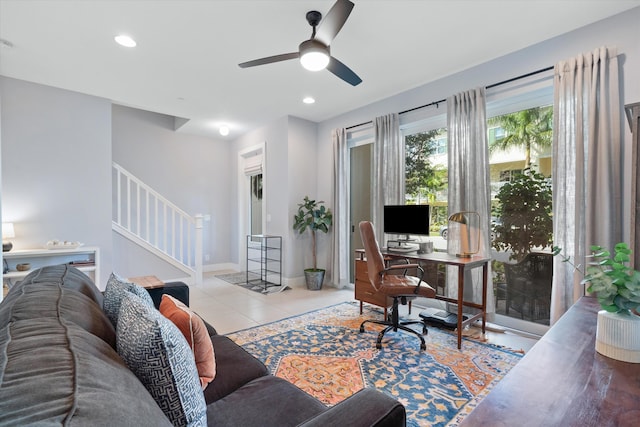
point(406, 220)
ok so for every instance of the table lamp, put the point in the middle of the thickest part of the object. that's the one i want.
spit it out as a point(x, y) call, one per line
point(7, 233)
point(464, 234)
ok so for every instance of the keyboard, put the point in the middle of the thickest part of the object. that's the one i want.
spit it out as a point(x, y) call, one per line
point(402, 249)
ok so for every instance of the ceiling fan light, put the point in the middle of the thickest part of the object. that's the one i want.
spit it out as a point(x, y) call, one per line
point(314, 61)
point(314, 56)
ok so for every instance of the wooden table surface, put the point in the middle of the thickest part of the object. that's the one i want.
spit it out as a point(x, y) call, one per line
point(563, 381)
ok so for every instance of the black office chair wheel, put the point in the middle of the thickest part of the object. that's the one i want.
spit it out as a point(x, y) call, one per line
point(379, 346)
point(361, 328)
point(423, 346)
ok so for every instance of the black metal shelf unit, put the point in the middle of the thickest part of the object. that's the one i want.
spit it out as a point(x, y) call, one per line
point(264, 261)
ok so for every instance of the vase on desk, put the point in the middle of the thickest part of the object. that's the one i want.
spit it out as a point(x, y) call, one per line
point(618, 336)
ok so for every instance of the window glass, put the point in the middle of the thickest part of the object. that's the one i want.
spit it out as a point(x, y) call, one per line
point(521, 222)
point(256, 204)
point(426, 175)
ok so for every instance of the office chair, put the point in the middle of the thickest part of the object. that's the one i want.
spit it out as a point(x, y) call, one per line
point(399, 287)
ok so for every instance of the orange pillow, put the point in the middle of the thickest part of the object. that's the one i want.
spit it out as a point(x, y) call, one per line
point(194, 330)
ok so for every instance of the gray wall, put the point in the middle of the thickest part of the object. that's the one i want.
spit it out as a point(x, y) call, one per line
point(191, 171)
point(302, 182)
point(56, 166)
point(290, 175)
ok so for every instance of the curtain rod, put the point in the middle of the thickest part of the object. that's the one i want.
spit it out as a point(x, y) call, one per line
point(436, 103)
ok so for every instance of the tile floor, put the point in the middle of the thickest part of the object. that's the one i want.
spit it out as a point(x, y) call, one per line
point(230, 308)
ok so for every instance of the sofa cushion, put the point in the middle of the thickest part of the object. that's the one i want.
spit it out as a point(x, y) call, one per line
point(235, 367)
point(195, 332)
point(157, 352)
point(265, 401)
point(66, 275)
point(59, 292)
point(115, 290)
point(57, 363)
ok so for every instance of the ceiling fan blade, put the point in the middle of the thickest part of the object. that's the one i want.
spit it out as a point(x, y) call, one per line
point(344, 72)
point(270, 59)
point(333, 21)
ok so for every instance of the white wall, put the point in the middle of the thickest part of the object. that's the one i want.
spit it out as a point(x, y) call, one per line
point(56, 166)
point(302, 182)
point(191, 171)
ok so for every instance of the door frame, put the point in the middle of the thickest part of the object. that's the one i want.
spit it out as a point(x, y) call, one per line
point(244, 214)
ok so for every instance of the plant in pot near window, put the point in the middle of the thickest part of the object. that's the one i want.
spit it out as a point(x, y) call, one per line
point(617, 287)
point(316, 217)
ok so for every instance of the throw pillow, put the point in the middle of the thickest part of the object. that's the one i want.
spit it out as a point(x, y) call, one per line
point(116, 289)
point(194, 330)
point(157, 352)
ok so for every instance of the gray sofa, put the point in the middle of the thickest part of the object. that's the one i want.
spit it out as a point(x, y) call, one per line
point(59, 365)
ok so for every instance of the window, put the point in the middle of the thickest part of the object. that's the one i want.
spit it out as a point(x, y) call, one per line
point(508, 175)
point(256, 204)
point(426, 173)
point(521, 203)
point(520, 173)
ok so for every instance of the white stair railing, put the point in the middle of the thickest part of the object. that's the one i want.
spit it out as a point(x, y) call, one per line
point(145, 217)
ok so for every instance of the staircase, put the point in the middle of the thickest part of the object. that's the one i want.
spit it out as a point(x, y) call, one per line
point(146, 218)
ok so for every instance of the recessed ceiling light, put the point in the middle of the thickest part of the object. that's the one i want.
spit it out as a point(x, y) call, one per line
point(308, 100)
point(125, 41)
point(224, 130)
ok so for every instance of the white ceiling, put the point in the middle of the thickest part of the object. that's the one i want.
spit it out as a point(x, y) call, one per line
point(185, 63)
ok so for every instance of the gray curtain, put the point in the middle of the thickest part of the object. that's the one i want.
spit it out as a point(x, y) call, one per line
point(341, 233)
point(387, 181)
point(587, 167)
point(469, 188)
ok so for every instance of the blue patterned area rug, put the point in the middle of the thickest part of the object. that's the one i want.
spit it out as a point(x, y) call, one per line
point(323, 353)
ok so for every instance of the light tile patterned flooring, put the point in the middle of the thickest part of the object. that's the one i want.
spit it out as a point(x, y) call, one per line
point(230, 308)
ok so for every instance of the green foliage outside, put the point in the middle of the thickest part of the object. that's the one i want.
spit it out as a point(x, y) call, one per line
point(423, 179)
point(524, 207)
point(525, 129)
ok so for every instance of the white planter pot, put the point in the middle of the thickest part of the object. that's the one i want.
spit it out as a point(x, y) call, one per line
point(618, 336)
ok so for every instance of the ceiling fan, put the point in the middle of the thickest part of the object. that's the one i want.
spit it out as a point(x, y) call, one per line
point(314, 54)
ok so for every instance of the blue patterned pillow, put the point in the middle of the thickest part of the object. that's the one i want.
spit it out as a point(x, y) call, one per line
point(116, 289)
point(157, 352)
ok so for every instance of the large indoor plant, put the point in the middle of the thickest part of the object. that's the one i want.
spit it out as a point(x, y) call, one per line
point(617, 287)
point(313, 215)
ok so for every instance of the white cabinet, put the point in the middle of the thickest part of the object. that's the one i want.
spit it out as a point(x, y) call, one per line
point(85, 259)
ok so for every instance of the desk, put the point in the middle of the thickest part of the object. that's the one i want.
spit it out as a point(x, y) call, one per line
point(563, 381)
point(463, 265)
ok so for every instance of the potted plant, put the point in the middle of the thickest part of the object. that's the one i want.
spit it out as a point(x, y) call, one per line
point(618, 291)
point(316, 217)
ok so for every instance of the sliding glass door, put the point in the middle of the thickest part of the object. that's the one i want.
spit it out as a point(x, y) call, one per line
point(360, 204)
